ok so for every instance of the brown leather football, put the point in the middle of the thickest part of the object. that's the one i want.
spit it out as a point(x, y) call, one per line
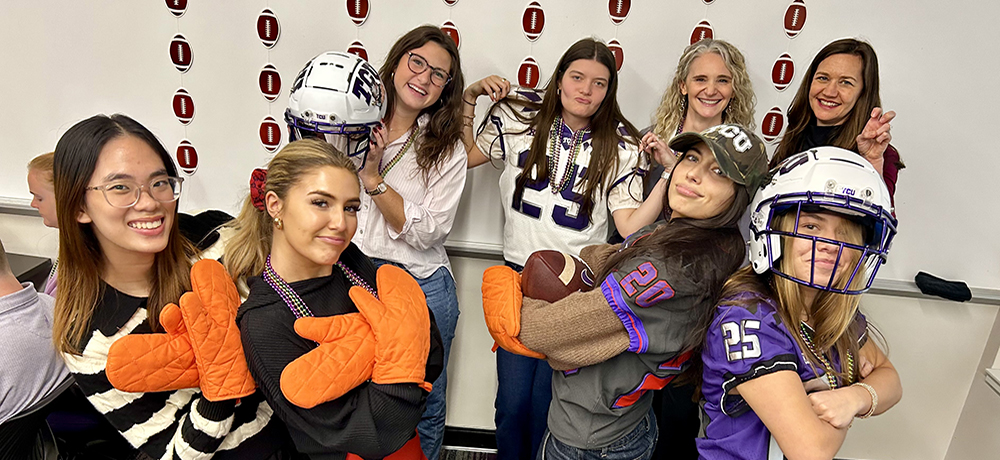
point(551, 275)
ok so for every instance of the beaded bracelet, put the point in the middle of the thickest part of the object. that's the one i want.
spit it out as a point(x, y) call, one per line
point(874, 395)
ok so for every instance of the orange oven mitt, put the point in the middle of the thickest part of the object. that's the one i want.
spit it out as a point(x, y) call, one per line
point(401, 324)
point(139, 363)
point(502, 309)
point(343, 360)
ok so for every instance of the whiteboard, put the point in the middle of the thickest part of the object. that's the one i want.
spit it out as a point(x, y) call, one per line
point(65, 60)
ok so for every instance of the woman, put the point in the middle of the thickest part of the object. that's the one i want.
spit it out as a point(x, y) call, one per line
point(292, 246)
point(838, 104)
point(122, 260)
point(569, 160)
point(710, 87)
point(788, 360)
point(41, 185)
point(637, 333)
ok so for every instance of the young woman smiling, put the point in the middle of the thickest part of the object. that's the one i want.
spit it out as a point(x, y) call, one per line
point(838, 104)
point(569, 161)
point(122, 261)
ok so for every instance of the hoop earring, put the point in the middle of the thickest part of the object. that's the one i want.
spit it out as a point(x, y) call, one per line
point(278, 224)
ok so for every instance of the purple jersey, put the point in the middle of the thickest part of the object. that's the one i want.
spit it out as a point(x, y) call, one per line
point(744, 343)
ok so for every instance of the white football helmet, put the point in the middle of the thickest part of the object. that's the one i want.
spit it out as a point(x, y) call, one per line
point(824, 179)
point(336, 94)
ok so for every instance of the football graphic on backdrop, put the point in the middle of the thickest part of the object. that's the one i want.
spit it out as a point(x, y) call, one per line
point(771, 125)
point(618, 9)
point(269, 82)
point(177, 7)
point(183, 106)
point(533, 21)
point(187, 157)
point(270, 134)
point(358, 49)
point(702, 31)
point(528, 73)
point(450, 29)
point(782, 72)
point(795, 18)
point(268, 29)
point(358, 11)
point(180, 53)
point(619, 52)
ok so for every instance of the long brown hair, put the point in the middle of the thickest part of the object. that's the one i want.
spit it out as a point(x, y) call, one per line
point(711, 248)
point(673, 104)
point(604, 160)
point(444, 130)
point(801, 116)
point(248, 247)
point(81, 261)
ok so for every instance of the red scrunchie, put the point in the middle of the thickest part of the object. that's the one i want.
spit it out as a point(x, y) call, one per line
point(258, 179)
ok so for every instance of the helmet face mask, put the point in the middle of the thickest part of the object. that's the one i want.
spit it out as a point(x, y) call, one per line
point(338, 97)
point(823, 180)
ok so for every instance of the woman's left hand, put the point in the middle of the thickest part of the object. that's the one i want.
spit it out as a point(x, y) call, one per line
point(651, 144)
point(837, 407)
point(369, 175)
point(875, 137)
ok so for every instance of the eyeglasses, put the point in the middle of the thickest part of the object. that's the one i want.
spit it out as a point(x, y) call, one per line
point(419, 65)
point(126, 193)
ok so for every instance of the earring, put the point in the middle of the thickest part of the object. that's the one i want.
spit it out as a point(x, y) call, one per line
point(558, 91)
point(684, 104)
point(278, 224)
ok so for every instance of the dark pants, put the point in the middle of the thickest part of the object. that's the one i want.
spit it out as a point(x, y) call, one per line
point(677, 417)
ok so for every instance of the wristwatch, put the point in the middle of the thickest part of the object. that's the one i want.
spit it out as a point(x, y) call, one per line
point(379, 189)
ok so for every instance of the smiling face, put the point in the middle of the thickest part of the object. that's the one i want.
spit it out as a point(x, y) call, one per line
point(698, 189)
point(708, 88)
point(582, 89)
point(142, 230)
point(319, 217)
point(43, 196)
point(414, 91)
point(819, 265)
point(835, 88)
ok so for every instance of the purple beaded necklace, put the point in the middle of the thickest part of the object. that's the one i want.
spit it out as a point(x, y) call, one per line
point(292, 299)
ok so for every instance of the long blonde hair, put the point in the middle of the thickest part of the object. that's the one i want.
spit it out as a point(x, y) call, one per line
point(741, 106)
point(80, 258)
point(250, 244)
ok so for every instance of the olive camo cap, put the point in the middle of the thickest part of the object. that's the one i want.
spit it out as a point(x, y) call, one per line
point(740, 153)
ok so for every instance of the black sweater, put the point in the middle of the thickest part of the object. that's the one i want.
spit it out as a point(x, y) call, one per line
point(372, 420)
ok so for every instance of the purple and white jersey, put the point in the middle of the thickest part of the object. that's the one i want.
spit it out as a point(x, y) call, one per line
point(744, 343)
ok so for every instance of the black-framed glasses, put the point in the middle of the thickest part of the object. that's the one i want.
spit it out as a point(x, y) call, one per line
point(418, 65)
point(126, 193)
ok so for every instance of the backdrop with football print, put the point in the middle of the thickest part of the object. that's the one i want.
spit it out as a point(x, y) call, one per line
point(211, 80)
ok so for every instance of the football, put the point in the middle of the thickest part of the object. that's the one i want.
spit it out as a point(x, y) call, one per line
point(450, 2)
point(358, 49)
point(782, 72)
point(180, 53)
point(183, 106)
point(268, 28)
point(177, 7)
point(795, 18)
point(618, 9)
point(619, 52)
point(533, 21)
point(187, 157)
point(358, 11)
point(450, 29)
point(770, 126)
point(702, 31)
point(551, 275)
point(528, 73)
point(270, 134)
point(269, 82)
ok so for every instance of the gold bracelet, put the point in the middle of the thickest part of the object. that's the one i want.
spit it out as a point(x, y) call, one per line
point(874, 395)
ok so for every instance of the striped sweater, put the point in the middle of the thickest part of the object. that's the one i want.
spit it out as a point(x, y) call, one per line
point(177, 424)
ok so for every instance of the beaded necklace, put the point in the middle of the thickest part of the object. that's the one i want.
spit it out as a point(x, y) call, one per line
point(831, 377)
point(555, 144)
point(292, 299)
point(382, 171)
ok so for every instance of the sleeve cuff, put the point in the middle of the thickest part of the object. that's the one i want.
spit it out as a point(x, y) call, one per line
point(638, 341)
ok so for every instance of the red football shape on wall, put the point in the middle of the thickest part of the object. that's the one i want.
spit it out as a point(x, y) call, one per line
point(269, 82)
point(177, 7)
point(618, 9)
point(619, 52)
point(782, 72)
point(180, 53)
point(771, 125)
point(358, 11)
point(450, 2)
point(268, 29)
point(708, 2)
point(187, 157)
point(183, 106)
point(528, 73)
point(702, 31)
point(270, 134)
point(533, 21)
point(552, 275)
point(450, 29)
point(358, 49)
point(795, 18)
